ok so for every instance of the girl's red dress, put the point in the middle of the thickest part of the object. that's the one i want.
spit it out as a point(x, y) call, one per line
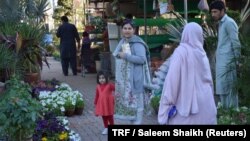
point(104, 99)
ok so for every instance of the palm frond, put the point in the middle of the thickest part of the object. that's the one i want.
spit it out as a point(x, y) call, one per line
point(209, 31)
point(6, 57)
point(10, 10)
point(43, 6)
point(175, 30)
point(8, 64)
point(245, 12)
point(8, 28)
point(30, 8)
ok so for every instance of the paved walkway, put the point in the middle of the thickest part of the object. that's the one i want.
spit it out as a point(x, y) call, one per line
point(87, 125)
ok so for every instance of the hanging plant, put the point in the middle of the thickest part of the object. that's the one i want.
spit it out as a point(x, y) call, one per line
point(99, 24)
point(115, 5)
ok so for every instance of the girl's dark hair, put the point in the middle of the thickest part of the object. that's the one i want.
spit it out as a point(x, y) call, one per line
point(85, 34)
point(99, 74)
point(128, 21)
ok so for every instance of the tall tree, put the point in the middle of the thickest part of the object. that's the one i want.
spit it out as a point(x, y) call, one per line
point(65, 7)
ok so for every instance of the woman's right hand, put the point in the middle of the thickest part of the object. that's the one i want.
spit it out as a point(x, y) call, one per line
point(121, 55)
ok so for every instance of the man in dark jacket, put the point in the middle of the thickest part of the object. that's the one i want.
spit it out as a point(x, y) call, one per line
point(68, 35)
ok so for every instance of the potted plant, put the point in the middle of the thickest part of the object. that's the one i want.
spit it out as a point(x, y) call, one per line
point(69, 107)
point(23, 31)
point(32, 72)
point(155, 103)
point(24, 41)
point(51, 127)
point(8, 59)
point(19, 111)
point(29, 51)
point(61, 99)
point(79, 105)
point(99, 24)
point(7, 62)
point(54, 128)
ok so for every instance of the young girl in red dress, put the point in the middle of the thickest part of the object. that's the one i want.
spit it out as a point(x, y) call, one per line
point(104, 100)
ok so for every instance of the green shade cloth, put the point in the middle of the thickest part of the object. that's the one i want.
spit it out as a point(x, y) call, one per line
point(149, 5)
point(153, 22)
point(160, 21)
point(192, 6)
point(156, 39)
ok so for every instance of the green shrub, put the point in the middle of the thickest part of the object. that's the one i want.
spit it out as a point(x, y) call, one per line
point(155, 102)
point(233, 116)
point(19, 111)
point(56, 55)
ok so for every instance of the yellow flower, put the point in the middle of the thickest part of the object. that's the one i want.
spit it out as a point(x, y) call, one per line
point(63, 136)
point(44, 139)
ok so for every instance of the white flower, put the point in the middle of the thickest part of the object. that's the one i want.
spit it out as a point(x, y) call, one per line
point(66, 127)
point(74, 136)
point(54, 105)
point(43, 103)
point(62, 109)
point(60, 101)
point(56, 99)
point(65, 121)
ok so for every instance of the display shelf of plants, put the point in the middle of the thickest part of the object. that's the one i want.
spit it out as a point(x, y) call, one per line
point(30, 111)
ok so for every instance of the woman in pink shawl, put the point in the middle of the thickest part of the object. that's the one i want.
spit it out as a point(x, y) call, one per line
point(188, 94)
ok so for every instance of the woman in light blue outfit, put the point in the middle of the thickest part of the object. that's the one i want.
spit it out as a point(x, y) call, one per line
point(132, 73)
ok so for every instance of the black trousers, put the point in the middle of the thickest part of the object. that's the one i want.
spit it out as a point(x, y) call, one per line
point(66, 62)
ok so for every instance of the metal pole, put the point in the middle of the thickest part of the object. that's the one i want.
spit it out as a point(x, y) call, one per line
point(84, 13)
point(145, 20)
point(103, 12)
point(186, 10)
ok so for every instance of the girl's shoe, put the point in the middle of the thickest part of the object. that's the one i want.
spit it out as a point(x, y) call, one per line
point(105, 131)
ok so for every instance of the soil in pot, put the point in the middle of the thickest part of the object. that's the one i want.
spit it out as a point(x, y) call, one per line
point(69, 112)
point(79, 111)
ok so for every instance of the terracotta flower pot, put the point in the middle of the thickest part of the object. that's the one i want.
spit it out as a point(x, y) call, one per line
point(32, 77)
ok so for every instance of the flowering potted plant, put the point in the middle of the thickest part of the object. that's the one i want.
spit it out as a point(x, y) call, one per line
point(50, 128)
point(44, 85)
point(69, 107)
point(59, 100)
point(54, 128)
point(79, 105)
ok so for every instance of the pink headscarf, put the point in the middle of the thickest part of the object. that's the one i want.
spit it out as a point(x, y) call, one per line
point(192, 35)
point(188, 71)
